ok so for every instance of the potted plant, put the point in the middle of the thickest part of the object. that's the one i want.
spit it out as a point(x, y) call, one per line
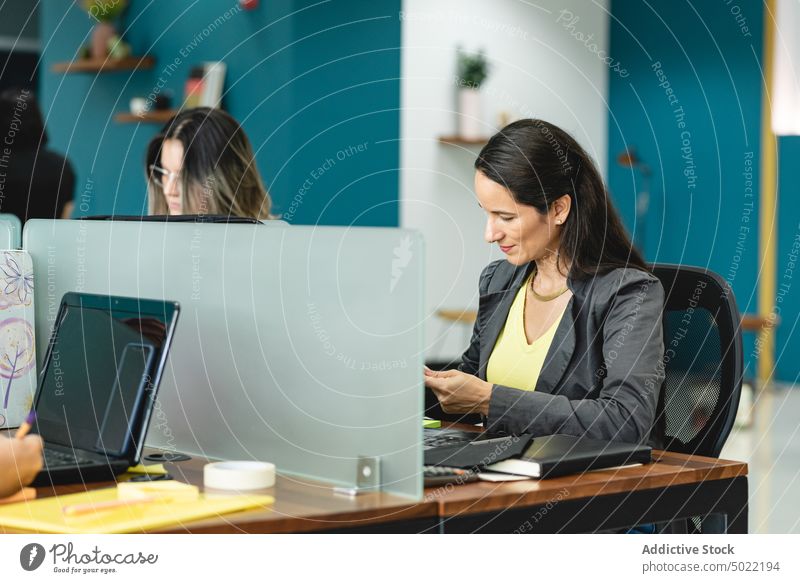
point(104, 34)
point(472, 72)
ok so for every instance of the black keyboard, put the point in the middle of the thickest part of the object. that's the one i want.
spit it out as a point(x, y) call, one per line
point(477, 452)
point(59, 459)
point(446, 437)
point(441, 476)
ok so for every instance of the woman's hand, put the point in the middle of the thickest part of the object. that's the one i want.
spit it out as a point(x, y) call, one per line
point(20, 461)
point(459, 392)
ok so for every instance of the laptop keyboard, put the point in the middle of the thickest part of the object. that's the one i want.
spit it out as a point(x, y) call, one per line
point(59, 459)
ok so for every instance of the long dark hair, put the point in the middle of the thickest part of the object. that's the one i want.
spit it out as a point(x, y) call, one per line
point(21, 118)
point(219, 174)
point(539, 162)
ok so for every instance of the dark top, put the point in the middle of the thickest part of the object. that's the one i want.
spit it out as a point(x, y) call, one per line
point(35, 187)
point(604, 369)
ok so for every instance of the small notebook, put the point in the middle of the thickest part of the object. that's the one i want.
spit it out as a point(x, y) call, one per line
point(558, 455)
point(46, 514)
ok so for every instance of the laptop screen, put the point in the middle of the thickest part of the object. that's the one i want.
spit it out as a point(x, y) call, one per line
point(96, 381)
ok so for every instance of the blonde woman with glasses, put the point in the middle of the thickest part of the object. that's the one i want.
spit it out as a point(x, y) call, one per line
point(202, 163)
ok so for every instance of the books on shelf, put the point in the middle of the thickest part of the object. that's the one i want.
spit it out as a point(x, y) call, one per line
point(205, 85)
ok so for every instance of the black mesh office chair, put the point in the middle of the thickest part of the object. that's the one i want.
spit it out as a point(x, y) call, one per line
point(703, 368)
point(703, 361)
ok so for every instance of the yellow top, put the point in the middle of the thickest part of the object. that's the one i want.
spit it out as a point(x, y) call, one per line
point(515, 363)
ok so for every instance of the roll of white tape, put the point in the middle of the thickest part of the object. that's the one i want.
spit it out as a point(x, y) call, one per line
point(244, 475)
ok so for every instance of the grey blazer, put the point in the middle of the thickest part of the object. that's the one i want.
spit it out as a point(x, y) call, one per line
point(603, 372)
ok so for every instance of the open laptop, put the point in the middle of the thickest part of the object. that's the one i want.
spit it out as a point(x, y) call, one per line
point(98, 384)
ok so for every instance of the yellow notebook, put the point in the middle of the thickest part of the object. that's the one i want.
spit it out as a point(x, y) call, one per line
point(152, 469)
point(46, 514)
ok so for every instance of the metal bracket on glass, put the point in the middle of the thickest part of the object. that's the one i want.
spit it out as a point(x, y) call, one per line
point(368, 477)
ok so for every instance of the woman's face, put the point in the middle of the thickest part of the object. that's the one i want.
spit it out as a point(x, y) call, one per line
point(521, 232)
point(172, 161)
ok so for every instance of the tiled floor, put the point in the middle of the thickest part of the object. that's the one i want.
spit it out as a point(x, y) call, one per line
point(771, 447)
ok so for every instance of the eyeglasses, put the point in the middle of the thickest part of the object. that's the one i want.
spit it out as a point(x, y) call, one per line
point(163, 174)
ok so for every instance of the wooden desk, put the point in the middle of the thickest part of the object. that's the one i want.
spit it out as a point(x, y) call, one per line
point(301, 505)
point(676, 486)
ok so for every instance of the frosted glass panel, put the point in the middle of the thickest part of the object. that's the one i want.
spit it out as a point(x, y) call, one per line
point(10, 231)
point(296, 345)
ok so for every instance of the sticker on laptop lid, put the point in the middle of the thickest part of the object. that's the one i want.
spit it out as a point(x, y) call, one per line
point(17, 338)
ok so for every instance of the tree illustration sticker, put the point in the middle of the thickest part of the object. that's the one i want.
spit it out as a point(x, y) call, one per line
point(17, 337)
point(17, 283)
point(17, 352)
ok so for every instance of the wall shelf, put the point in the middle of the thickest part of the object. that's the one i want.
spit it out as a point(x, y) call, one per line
point(104, 65)
point(461, 141)
point(465, 316)
point(155, 116)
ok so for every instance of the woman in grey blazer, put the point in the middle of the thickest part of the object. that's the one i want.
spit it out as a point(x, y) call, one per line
point(568, 337)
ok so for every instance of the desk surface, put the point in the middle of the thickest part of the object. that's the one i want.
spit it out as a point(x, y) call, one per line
point(301, 505)
point(667, 469)
point(306, 506)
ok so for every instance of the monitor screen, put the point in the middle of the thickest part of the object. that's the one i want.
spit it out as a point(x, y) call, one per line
point(96, 380)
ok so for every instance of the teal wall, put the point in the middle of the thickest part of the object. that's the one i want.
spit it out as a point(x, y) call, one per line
point(315, 86)
point(787, 338)
point(19, 20)
point(705, 156)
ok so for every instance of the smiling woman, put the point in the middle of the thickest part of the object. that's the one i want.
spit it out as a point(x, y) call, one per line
point(568, 337)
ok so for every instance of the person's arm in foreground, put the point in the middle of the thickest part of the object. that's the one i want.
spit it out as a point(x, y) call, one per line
point(20, 461)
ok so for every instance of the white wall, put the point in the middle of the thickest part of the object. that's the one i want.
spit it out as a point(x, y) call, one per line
point(540, 67)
